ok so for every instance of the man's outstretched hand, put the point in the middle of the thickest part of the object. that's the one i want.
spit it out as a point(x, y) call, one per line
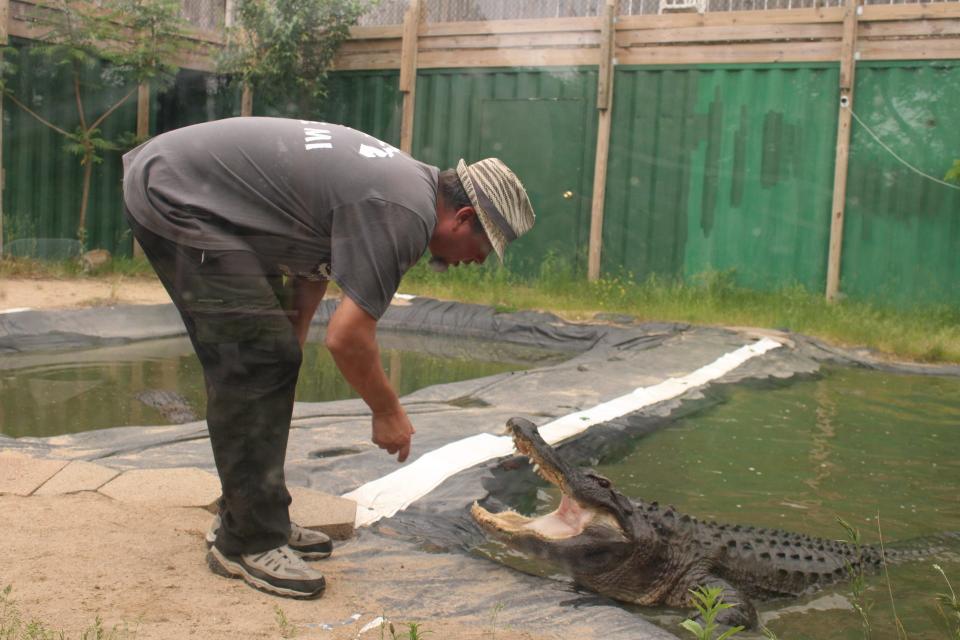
point(392, 430)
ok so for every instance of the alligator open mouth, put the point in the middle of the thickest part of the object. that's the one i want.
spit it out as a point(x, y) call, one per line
point(575, 513)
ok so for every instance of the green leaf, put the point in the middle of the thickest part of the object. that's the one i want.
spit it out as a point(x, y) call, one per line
point(729, 633)
point(693, 627)
point(953, 174)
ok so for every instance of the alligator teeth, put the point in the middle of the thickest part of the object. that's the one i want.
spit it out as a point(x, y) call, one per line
point(536, 467)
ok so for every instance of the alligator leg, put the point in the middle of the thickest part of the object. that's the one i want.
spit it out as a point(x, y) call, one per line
point(742, 613)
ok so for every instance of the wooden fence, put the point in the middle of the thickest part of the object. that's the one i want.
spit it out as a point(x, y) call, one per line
point(844, 34)
point(854, 32)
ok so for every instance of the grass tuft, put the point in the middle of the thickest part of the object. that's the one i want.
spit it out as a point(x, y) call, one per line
point(14, 627)
point(922, 333)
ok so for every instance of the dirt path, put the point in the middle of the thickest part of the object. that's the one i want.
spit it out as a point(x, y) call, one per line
point(74, 557)
point(29, 293)
point(70, 559)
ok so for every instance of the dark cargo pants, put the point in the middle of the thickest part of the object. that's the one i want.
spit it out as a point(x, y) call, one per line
point(236, 313)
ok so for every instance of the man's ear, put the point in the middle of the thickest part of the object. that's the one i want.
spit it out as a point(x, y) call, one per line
point(465, 215)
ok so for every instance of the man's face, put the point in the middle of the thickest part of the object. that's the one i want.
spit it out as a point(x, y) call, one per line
point(456, 241)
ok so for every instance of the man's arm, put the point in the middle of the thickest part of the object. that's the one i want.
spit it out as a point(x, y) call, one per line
point(352, 340)
point(307, 295)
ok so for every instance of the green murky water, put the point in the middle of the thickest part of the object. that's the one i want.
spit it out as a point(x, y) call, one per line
point(67, 392)
point(852, 443)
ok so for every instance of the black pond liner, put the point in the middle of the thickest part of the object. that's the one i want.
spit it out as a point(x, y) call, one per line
point(329, 447)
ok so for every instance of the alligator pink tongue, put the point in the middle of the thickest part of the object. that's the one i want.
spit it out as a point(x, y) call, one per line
point(568, 520)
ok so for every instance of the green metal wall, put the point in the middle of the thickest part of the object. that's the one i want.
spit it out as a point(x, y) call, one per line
point(369, 101)
point(712, 168)
point(450, 124)
point(43, 186)
point(720, 168)
point(41, 198)
point(902, 231)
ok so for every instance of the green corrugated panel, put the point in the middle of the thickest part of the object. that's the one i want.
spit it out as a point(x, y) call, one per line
point(194, 97)
point(369, 101)
point(43, 181)
point(719, 168)
point(542, 122)
point(902, 231)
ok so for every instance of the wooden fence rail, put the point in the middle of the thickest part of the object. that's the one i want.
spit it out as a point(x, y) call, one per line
point(826, 34)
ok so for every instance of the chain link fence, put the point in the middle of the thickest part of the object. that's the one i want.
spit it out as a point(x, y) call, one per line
point(205, 14)
point(390, 12)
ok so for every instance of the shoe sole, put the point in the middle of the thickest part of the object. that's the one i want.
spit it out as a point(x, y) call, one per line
point(223, 566)
point(304, 555)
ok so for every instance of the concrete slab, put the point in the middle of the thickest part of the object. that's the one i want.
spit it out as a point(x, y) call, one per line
point(79, 475)
point(21, 474)
point(175, 487)
point(331, 514)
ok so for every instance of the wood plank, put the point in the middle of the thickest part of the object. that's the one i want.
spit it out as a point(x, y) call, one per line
point(945, 49)
point(910, 28)
point(848, 70)
point(605, 116)
point(409, 45)
point(496, 27)
point(559, 39)
point(143, 132)
point(509, 58)
point(731, 18)
point(372, 61)
point(918, 11)
point(374, 33)
point(676, 35)
point(605, 70)
point(726, 54)
point(4, 21)
point(350, 47)
point(408, 72)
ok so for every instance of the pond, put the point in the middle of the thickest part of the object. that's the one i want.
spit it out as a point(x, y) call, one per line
point(879, 450)
point(46, 394)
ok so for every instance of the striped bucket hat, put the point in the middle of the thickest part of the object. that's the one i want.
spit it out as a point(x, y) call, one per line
point(500, 200)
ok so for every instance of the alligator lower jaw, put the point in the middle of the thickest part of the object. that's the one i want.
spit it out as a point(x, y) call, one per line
point(568, 521)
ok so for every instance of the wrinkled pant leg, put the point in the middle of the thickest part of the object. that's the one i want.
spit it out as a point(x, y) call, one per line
point(251, 360)
point(250, 393)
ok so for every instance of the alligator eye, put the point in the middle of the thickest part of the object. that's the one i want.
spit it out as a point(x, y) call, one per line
point(603, 482)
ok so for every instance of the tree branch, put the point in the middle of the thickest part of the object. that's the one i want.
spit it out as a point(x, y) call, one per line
point(36, 115)
point(76, 92)
point(116, 106)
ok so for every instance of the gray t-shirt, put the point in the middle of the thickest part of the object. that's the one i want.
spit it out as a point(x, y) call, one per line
point(313, 199)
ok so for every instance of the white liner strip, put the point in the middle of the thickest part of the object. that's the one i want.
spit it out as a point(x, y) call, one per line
point(395, 491)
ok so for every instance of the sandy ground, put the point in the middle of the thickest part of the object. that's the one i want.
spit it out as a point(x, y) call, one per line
point(72, 558)
point(17, 293)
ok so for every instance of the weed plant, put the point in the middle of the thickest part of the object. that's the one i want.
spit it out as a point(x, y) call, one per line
point(928, 333)
point(14, 627)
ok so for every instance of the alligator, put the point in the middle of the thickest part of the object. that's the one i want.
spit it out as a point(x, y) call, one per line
point(174, 407)
point(639, 552)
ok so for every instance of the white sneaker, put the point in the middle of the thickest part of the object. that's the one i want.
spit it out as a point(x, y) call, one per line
point(306, 543)
point(278, 571)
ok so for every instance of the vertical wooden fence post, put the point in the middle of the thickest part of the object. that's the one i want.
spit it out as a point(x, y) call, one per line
point(246, 100)
point(143, 131)
point(604, 110)
point(408, 72)
point(847, 73)
point(4, 17)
